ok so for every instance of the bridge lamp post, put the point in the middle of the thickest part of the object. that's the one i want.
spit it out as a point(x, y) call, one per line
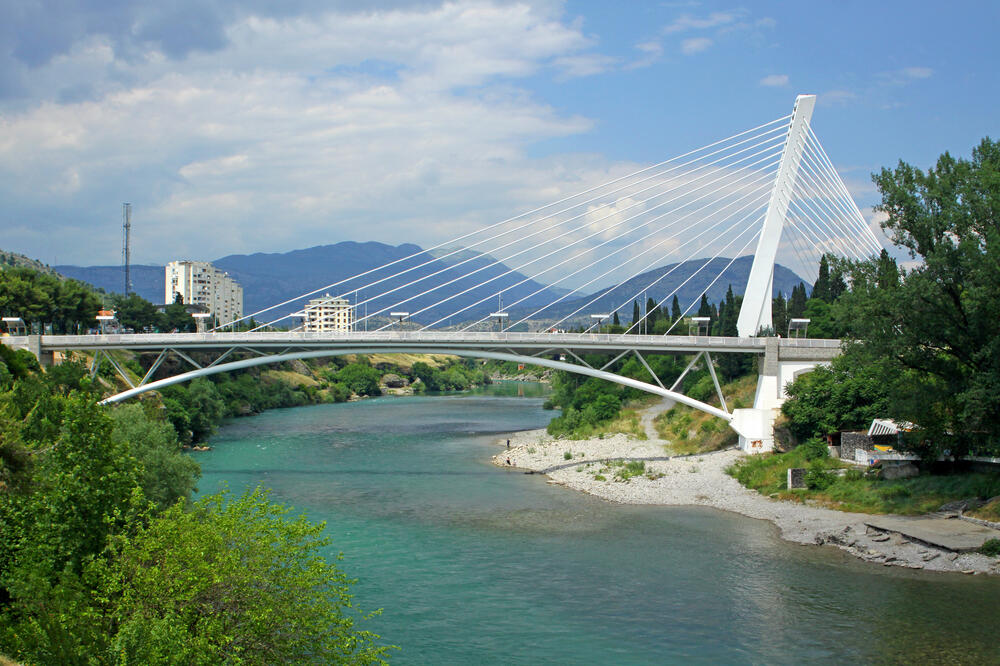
point(15, 325)
point(105, 320)
point(798, 327)
point(500, 316)
point(699, 323)
point(401, 315)
point(599, 318)
point(201, 320)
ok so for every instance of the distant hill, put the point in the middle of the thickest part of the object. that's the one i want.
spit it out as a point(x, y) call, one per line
point(147, 281)
point(270, 278)
point(15, 260)
point(664, 280)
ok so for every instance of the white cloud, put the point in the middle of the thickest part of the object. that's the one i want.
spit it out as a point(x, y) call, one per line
point(687, 22)
point(918, 72)
point(695, 45)
point(837, 97)
point(400, 125)
point(775, 80)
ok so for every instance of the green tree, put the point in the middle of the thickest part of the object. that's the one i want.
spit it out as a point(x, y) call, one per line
point(364, 379)
point(779, 315)
point(847, 395)
point(166, 474)
point(821, 289)
point(135, 312)
point(938, 325)
point(230, 581)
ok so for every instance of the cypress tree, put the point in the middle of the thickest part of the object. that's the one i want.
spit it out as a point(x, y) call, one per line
point(651, 312)
point(821, 289)
point(779, 315)
point(635, 317)
point(675, 310)
point(616, 321)
point(705, 309)
point(797, 303)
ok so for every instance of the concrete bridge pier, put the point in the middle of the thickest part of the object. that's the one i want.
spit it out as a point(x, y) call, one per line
point(32, 343)
point(779, 366)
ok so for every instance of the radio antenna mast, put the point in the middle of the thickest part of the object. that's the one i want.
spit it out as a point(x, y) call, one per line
point(126, 249)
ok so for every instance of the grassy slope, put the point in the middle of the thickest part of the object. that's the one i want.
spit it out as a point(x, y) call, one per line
point(692, 431)
point(859, 492)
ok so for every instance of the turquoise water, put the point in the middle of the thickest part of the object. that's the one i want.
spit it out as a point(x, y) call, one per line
point(475, 564)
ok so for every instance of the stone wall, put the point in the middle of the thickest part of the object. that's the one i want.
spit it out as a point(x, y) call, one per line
point(853, 441)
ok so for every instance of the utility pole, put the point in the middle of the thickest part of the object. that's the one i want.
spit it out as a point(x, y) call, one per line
point(126, 245)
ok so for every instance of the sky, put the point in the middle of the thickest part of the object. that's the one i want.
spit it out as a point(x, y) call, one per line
point(240, 127)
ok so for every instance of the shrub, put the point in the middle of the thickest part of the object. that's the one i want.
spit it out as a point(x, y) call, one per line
point(990, 548)
point(817, 477)
point(567, 455)
point(814, 448)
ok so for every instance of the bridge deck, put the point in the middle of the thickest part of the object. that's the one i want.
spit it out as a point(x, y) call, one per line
point(526, 343)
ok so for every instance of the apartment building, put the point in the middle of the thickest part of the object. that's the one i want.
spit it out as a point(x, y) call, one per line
point(328, 314)
point(201, 283)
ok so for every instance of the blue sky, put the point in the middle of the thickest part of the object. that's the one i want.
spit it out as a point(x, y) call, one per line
point(233, 127)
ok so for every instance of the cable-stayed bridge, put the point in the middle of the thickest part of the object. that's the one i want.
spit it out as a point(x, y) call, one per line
point(509, 290)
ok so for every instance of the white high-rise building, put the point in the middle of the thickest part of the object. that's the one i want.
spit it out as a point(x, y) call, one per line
point(201, 283)
point(328, 314)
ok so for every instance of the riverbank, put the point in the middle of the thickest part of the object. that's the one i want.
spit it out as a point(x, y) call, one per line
point(591, 466)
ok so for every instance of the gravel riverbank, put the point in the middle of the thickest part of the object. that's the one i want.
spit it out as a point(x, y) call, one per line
point(701, 480)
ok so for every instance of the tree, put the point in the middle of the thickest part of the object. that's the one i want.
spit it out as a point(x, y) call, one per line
point(938, 325)
point(821, 289)
point(615, 321)
point(135, 312)
point(779, 315)
point(651, 313)
point(364, 379)
point(230, 581)
point(845, 396)
point(704, 308)
point(634, 328)
point(797, 302)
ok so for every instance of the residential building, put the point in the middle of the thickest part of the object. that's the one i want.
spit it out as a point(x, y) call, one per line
point(328, 314)
point(201, 283)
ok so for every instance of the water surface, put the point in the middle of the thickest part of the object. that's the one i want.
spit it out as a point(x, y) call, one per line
point(474, 564)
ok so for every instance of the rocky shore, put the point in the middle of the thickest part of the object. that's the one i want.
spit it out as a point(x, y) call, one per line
point(701, 480)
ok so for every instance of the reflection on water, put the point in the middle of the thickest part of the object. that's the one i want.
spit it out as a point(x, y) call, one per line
point(477, 564)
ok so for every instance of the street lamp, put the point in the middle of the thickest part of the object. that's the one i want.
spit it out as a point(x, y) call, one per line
point(699, 323)
point(500, 316)
point(401, 315)
point(105, 319)
point(599, 318)
point(201, 320)
point(798, 326)
point(15, 325)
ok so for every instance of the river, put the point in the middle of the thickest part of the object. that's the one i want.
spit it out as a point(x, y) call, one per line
point(475, 564)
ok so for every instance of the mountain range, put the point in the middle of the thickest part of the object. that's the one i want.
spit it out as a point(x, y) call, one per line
point(270, 278)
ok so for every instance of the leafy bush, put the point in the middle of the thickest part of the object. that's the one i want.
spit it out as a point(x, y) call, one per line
point(567, 455)
point(814, 448)
point(818, 478)
point(990, 548)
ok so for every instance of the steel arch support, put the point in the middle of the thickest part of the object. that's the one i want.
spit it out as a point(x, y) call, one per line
point(469, 353)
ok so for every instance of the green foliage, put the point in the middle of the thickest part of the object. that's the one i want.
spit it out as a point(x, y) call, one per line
point(990, 548)
point(360, 378)
point(847, 395)
point(231, 580)
point(859, 492)
point(166, 474)
point(814, 448)
point(818, 477)
point(625, 471)
point(138, 314)
point(90, 573)
point(41, 299)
